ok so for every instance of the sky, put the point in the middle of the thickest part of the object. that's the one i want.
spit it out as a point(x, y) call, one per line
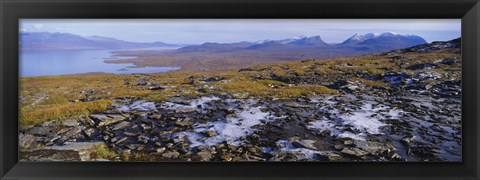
point(197, 31)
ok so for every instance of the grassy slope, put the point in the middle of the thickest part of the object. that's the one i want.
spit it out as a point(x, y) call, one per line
point(49, 98)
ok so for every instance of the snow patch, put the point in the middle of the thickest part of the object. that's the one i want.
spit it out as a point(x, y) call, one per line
point(139, 106)
point(362, 119)
point(300, 153)
point(287, 146)
point(323, 125)
point(200, 102)
point(233, 128)
point(348, 134)
point(194, 138)
point(230, 130)
point(365, 120)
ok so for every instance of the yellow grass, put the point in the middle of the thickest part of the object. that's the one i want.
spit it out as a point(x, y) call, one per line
point(101, 151)
point(31, 115)
point(57, 97)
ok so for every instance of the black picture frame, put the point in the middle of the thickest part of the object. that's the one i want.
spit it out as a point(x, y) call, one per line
point(13, 10)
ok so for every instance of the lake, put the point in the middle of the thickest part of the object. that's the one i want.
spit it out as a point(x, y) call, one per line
point(63, 62)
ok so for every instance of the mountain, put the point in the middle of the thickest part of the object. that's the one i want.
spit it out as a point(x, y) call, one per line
point(309, 41)
point(382, 42)
point(357, 44)
point(51, 41)
point(291, 48)
point(292, 43)
point(358, 38)
point(215, 47)
point(266, 45)
point(436, 45)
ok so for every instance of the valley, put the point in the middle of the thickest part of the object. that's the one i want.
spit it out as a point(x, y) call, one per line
point(229, 56)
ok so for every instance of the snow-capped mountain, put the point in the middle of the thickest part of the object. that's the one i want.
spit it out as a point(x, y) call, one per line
point(387, 38)
point(358, 38)
point(309, 41)
point(303, 45)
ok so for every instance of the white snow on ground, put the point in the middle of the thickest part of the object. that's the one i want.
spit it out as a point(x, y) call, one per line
point(139, 106)
point(348, 134)
point(301, 153)
point(287, 146)
point(363, 120)
point(324, 125)
point(192, 137)
point(231, 129)
point(193, 104)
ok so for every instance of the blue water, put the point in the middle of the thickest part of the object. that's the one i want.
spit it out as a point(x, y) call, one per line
point(63, 62)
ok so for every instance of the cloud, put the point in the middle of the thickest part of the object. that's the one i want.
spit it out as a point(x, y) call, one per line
point(38, 26)
point(61, 28)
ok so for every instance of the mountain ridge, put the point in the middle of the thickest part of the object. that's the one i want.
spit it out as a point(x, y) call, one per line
point(368, 41)
point(63, 41)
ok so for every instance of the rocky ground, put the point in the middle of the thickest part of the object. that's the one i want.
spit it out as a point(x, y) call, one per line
point(416, 118)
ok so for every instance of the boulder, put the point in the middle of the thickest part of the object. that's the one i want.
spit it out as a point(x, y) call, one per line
point(179, 100)
point(121, 140)
point(26, 140)
point(449, 61)
point(354, 152)
point(74, 132)
point(106, 119)
point(297, 105)
point(226, 157)
point(171, 154)
point(90, 132)
point(156, 116)
point(425, 66)
point(143, 138)
point(288, 156)
point(41, 130)
point(204, 155)
point(70, 123)
point(212, 79)
point(374, 148)
point(70, 151)
point(161, 150)
point(185, 110)
point(309, 144)
point(155, 88)
point(408, 140)
point(120, 125)
point(210, 133)
point(331, 156)
point(184, 122)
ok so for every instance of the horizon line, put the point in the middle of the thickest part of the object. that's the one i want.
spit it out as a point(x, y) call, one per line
point(261, 40)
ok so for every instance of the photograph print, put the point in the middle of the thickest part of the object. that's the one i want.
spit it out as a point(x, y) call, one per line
point(165, 90)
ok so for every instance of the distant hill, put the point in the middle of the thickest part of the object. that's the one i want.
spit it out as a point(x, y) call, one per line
point(224, 57)
point(436, 45)
point(309, 41)
point(357, 44)
point(303, 46)
point(215, 47)
point(382, 42)
point(50, 41)
point(292, 43)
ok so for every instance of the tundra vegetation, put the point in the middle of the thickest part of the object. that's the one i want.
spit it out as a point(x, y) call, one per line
point(396, 105)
